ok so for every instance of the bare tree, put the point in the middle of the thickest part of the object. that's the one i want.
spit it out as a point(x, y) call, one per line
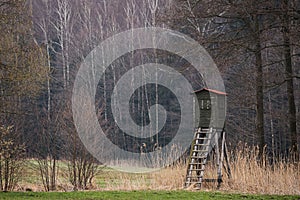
point(289, 73)
point(47, 161)
point(12, 158)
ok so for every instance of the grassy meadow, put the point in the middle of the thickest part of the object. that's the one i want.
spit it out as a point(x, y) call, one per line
point(128, 195)
point(249, 181)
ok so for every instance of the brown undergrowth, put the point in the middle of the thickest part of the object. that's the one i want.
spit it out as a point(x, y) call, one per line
point(248, 176)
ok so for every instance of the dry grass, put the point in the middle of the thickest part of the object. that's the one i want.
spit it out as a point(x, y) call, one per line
point(248, 176)
point(251, 177)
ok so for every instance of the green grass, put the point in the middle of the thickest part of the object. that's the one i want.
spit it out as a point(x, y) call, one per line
point(138, 195)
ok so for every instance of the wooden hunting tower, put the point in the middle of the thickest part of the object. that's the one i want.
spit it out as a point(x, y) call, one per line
point(206, 99)
point(210, 117)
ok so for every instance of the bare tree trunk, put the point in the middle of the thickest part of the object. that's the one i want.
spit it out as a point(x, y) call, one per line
point(63, 26)
point(153, 6)
point(259, 88)
point(289, 77)
point(1, 183)
point(6, 172)
point(53, 177)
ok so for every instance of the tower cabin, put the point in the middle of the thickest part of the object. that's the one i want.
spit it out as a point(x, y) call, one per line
point(209, 117)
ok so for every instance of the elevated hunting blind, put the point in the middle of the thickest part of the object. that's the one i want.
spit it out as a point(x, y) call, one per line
point(206, 99)
point(209, 117)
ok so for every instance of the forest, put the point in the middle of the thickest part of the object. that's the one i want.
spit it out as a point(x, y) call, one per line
point(254, 44)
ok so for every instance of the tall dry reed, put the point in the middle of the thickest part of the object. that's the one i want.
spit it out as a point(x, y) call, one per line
point(248, 176)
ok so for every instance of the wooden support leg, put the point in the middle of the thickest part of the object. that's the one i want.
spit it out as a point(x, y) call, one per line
point(227, 161)
point(219, 161)
point(224, 154)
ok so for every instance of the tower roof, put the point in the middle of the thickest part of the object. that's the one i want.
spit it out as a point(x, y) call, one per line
point(210, 90)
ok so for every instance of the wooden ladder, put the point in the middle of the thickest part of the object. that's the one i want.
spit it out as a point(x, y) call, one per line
point(200, 148)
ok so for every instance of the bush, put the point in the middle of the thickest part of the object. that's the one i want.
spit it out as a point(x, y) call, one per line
point(11, 158)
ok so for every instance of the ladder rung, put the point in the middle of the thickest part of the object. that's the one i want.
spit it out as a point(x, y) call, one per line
point(194, 177)
point(202, 138)
point(202, 157)
point(197, 164)
point(204, 129)
point(201, 144)
point(196, 169)
point(199, 151)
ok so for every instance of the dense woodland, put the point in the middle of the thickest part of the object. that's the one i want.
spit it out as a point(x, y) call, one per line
point(255, 44)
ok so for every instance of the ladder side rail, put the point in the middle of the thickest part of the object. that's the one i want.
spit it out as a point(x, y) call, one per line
point(192, 160)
